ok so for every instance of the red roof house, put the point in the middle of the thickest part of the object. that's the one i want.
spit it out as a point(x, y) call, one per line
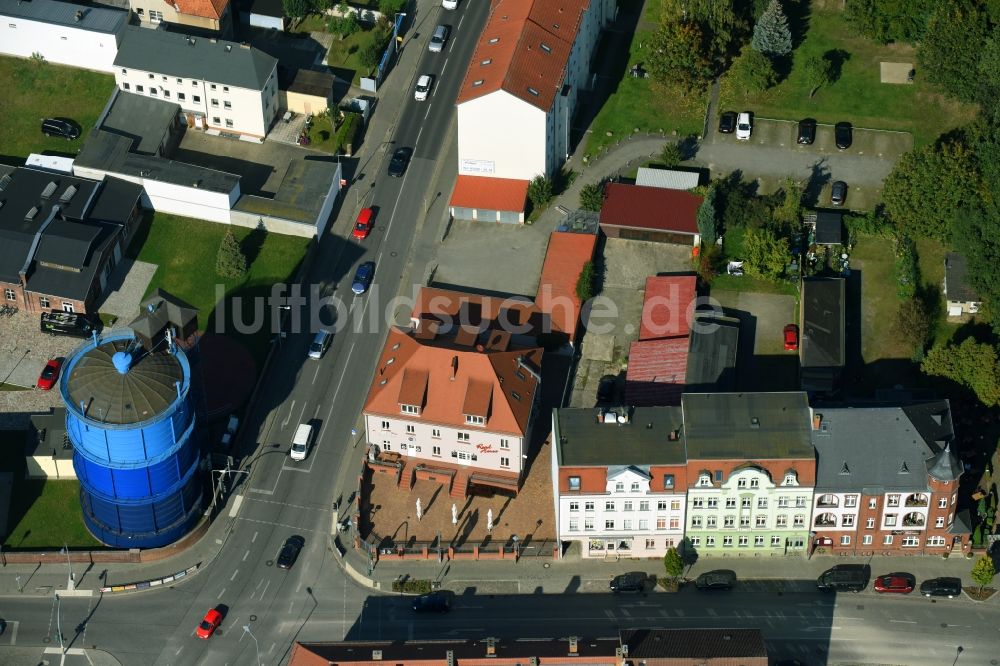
point(637, 212)
point(564, 261)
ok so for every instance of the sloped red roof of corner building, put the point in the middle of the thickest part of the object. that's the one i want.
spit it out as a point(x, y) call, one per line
point(486, 193)
point(654, 208)
point(205, 8)
point(668, 306)
point(564, 260)
point(657, 370)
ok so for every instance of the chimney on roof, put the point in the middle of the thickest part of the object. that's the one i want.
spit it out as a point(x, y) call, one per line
point(450, 658)
point(229, 47)
point(78, 16)
point(573, 646)
point(454, 367)
point(491, 647)
point(245, 45)
point(376, 655)
point(817, 420)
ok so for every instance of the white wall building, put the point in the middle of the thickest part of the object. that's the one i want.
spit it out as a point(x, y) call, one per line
point(77, 35)
point(220, 86)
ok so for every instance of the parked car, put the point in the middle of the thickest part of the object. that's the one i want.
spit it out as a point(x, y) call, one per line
point(720, 579)
point(363, 278)
point(438, 39)
point(941, 587)
point(435, 602)
point(744, 126)
point(209, 624)
point(290, 551)
point(400, 160)
point(606, 389)
point(807, 132)
point(301, 441)
point(634, 581)
point(60, 128)
point(727, 122)
point(843, 134)
point(838, 193)
point(50, 373)
point(844, 578)
point(423, 88)
point(449, 4)
point(363, 225)
point(320, 343)
point(900, 583)
point(791, 333)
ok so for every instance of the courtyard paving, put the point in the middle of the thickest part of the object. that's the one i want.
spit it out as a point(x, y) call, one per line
point(126, 288)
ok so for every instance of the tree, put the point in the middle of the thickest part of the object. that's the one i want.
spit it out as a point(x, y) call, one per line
point(585, 282)
point(296, 9)
point(983, 571)
point(673, 563)
point(370, 55)
point(912, 324)
point(989, 74)
point(390, 7)
point(981, 508)
point(722, 22)
point(752, 72)
point(592, 196)
point(977, 535)
point(890, 20)
point(540, 191)
point(928, 186)
point(771, 35)
point(788, 213)
point(819, 71)
point(230, 262)
point(672, 154)
point(677, 55)
point(950, 51)
point(766, 255)
point(972, 364)
point(706, 219)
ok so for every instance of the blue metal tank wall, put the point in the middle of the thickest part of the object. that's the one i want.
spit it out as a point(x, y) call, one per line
point(118, 444)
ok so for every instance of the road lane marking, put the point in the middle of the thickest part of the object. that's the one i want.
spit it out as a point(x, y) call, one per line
point(246, 555)
point(234, 509)
point(904, 621)
point(273, 524)
point(306, 507)
point(342, 373)
point(221, 593)
point(233, 577)
point(263, 591)
point(285, 422)
point(315, 374)
point(254, 538)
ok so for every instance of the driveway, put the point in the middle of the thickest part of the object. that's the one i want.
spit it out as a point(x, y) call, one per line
point(762, 364)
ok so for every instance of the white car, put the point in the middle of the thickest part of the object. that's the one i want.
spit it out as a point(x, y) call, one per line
point(744, 126)
point(449, 4)
point(301, 441)
point(423, 89)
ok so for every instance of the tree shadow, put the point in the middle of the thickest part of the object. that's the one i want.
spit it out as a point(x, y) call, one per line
point(837, 58)
point(252, 244)
point(798, 13)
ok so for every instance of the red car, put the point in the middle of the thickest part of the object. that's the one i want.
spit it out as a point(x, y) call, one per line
point(791, 337)
point(363, 226)
point(209, 624)
point(901, 583)
point(50, 373)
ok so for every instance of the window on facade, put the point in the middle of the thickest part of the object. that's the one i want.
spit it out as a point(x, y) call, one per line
point(464, 437)
point(698, 503)
point(574, 483)
point(9, 294)
point(643, 524)
point(588, 506)
point(43, 302)
point(504, 443)
point(887, 540)
point(939, 521)
point(661, 505)
point(745, 502)
point(150, 76)
point(212, 86)
point(409, 409)
point(776, 541)
point(644, 506)
point(890, 520)
point(943, 503)
point(743, 542)
point(755, 482)
point(588, 524)
point(650, 544)
point(620, 487)
point(744, 521)
point(227, 105)
point(166, 94)
point(892, 500)
point(800, 502)
point(152, 91)
point(626, 524)
point(758, 542)
point(761, 521)
point(627, 507)
point(741, 483)
point(635, 487)
point(872, 503)
point(718, 475)
point(609, 506)
point(710, 541)
point(870, 524)
point(729, 521)
point(730, 502)
point(216, 120)
point(574, 506)
point(935, 541)
point(727, 541)
point(661, 522)
point(385, 425)
point(781, 521)
point(704, 480)
point(848, 520)
point(845, 539)
point(225, 88)
point(609, 524)
point(799, 521)
point(668, 481)
point(68, 307)
point(695, 541)
point(411, 429)
point(782, 502)
point(711, 522)
point(155, 16)
point(850, 501)
point(790, 479)
point(866, 540)
point(574, 524)
point(761, 502)
point(696, 522)
point(139, 89)
point(675, 523)
point(472, 419)
point(911, 542)
point(436, 451)
point(713, 502)
point(196, 99)
point(126, 86)
point(675, 505)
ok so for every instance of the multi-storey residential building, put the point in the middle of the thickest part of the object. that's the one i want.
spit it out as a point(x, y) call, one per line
point(887, 480)
point(751, 470)
point(454, 404)
point(195, 16)
point(220, 86)
point(517, 101)
point(619, 478)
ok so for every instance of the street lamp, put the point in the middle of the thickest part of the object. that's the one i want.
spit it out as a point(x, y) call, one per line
point(59, 623)
point(246, 630)
point(70, 583)
point(516, 550)
point(20, 590)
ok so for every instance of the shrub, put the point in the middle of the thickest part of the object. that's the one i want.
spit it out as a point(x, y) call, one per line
point(347, 133)
point(753, 72)
point(230, 262)
point(673, 564)
point(872, 223)
point(412, 586)
point(671, 155)
point(592, 197)
point(540, 191)
point(905, 267)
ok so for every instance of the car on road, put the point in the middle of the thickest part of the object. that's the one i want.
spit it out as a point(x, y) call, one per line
point(363, 278)
point(807, 132)
point(899, 583)
point(838, 193)
point(941, 587)
point(449, 4)
point(423, 88)
point(320, 343)
point(50, 373)
point(720, 579)
point(301, 441)
point(435, 602)
point(363, 225)
point(400, 160)
point(744, 126)
point(290, 551)
point(438, 39)
point(843, 134)
point(791, 334)
point(634, 581)
point(844, 578)
point(60, 128)
point(727, 122)
point(209, 624)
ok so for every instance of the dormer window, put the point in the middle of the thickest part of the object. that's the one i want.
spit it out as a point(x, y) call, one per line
point(791, 479)
point(471, 419)
point(486, 62)
point(409, 409)
point(546, 47)
point(532, 91)
point(494, 40)
point(477, 82)
point(620, 487)
point(704, 480)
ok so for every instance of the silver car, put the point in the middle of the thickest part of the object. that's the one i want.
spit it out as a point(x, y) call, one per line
point(438, 39)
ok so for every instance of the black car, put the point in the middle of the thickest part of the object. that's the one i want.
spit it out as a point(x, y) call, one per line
point(727, 122)
point(435, 602)
point(807, 132)
point(843, 134)
point(606, 389)
point(941, 587)
point(60, 128)
point(400, 160)
point(68, 323)
point(838, 193)
point(720, 579)
point(290, 551)
point(629, 582)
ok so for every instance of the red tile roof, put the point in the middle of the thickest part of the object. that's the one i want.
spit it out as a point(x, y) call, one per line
point(482, 192)
point(212, 9)
point(654, 208)
point(656, 372)
point(668, 306)
point(564, 259)
point(525, 44)
point(516, 315)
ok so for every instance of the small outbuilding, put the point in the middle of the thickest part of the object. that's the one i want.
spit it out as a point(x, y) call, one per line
point(657, 214)
point(304, 91)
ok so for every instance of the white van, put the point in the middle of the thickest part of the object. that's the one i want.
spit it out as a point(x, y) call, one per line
point(301, 441)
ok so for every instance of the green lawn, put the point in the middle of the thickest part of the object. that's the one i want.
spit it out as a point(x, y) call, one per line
point(344, 56)
point(35, 90)
point(322, 135)
point(858, 96)
point(185, 252)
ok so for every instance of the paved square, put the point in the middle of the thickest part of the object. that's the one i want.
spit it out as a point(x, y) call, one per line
point(126, 288)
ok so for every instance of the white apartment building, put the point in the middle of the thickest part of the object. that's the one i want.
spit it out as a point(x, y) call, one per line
point(221, 86)
point(618, 480)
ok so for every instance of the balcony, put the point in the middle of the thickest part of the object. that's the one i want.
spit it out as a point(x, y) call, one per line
point(916, 500)
point(827, 501)
point(913, 520)
point(825, 520)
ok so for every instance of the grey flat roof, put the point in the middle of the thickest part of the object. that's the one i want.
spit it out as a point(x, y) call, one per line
point(877, 449)
point(829, 228)
point(305, 81)
point(93, 18)
point(644, 440)
point(300, 194)
point(47, 436)
point(215, 60)
point(711, 363)
point(722, 425)
point(822, 323)
point(145, 120)
point(602, 650)
point(695, 645)
point(671, 179)
point(116, 200)
point(956, 279)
